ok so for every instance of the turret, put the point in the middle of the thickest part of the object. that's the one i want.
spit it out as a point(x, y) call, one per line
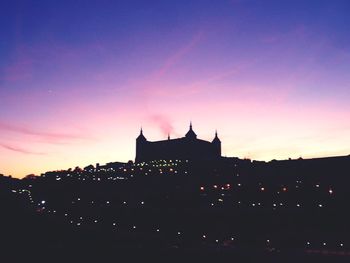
point(141, 138)
point(140, 147)
point(191, 134)
point(217, 144)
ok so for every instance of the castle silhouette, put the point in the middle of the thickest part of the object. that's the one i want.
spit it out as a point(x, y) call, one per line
point(185, 148)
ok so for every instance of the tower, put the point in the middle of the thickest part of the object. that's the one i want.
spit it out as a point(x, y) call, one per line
point(141, 142)
point(216, 144)
point(191, 135)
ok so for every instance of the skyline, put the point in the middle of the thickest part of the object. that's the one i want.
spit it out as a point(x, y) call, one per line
point(77, 80)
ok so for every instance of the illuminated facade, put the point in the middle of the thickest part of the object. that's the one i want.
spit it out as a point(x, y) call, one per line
point(188, 147)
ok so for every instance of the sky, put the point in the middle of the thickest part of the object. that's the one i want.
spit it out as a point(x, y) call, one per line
point(79, 78)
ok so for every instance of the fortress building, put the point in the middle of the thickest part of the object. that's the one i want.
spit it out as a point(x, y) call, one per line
point(185, 148)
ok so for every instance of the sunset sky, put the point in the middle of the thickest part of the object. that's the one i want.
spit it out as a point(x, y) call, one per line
point(79, 78)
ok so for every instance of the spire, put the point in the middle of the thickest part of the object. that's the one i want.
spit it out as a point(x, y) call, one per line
point(191, 134)
point(168, 136)
point(141, 137)
point(216, 138)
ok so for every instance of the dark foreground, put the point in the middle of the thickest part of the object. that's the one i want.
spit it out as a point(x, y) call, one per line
point(172, 211)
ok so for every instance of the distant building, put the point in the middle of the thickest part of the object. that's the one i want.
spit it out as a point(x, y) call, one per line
point(188, 147)
point(109, 166)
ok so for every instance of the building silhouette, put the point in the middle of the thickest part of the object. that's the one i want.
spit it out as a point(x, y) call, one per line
point(185, 148)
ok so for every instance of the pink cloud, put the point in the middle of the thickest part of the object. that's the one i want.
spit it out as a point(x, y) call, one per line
point(19, 149)
point(51, 137)
point(163, 123)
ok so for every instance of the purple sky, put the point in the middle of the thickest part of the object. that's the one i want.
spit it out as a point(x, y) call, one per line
point(77, 80)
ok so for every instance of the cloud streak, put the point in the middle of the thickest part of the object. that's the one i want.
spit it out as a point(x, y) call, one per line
point(51, 137)
point(177, 56)
point(20, 150)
